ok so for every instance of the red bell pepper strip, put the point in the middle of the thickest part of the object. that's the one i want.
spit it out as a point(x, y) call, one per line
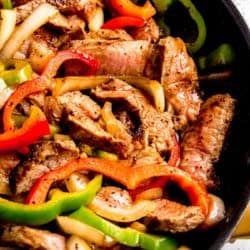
point(123, 22)
point(128, 8)
point(122, 172)
point(33, 129)
point(23, 90)
point(65, 55)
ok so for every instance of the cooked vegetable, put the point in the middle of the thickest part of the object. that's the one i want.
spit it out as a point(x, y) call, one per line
point(123, 22)
point(43, 213)
point(162, 5)
point(33, 129)
point(96, 22)
point(152, 87)
point(7, 4)
point(126, 236)
point(200, 23)
point(128, 8)
point(7, 25)
point(224, 55)
point(83, 230)
point(65, 55)
point(15, 71)
point(29, 87)
point(76, 243)
point(39, 17)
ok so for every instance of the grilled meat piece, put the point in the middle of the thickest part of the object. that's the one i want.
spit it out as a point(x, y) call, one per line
point(44, 156)
point(86, 7)
point(149, 32)
point(174, 217)
point(30, 238)
point(203, 141)
point(116, 57)
point(7, 162)
point(107, 34)
point(90, 132)
point(155, 129)
point(179, 78)
point(71, 102)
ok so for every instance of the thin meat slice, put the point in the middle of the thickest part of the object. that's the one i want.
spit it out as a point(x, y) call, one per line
point(174, 217)
point(117, 57)
point(86, 130)
point(149, 32)
point(31, 238)
point(155, 129)
point(179, 78)
point(44, 157)
point(8, 161)
point(203, 141)
point(107, 34)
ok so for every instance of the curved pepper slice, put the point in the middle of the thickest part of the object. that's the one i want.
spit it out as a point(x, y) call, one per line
point(127, 236)
point(33, 129)
point(15, 71)
point(123, 22)
point(23, 90)
point(65, 55)
point(122, 172)
point(19, 213)
point(128, 8)
point(7, 4)
point(200, 23)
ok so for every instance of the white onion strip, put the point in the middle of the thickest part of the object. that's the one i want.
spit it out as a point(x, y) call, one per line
point(39, 17)
point(8, 23)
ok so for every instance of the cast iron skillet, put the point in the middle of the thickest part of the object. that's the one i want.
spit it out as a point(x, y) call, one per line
point(225, 24)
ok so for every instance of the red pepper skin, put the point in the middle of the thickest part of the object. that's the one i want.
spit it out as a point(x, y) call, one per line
point(128, 8)
point(65, 55)
point(23, 90)
point(33, 129)
point(123, 22)
point(124, 173)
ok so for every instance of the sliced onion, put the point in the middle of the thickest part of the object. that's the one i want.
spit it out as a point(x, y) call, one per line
point(41, 15)
point(7, 26)
point(118, 209)
point(96, 22)
point(76, 182)
point(76, 243)
point(72, 226)
point(216, 212)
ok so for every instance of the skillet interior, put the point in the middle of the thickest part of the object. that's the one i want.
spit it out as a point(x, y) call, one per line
point(226, 25)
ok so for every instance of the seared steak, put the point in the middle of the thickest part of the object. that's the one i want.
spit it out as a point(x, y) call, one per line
point(30, 238)
point(117, 57)
point(179, 78)
point(107, 34)
point(156, 128)
point(203, 141)
point(7, 162)
point(44, 156)
point(174, 217)
point(149, 32)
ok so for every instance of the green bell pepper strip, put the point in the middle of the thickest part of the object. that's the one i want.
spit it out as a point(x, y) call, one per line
point(223, 55)
point(126, 236)
point(40, 214)
point(7, 4)
point(162, 5)
point(15, 71)
point(193, 47)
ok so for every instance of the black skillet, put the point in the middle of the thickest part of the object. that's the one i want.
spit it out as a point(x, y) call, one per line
point(225, 24)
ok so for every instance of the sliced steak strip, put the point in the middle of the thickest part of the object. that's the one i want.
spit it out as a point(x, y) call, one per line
point(44, 157)
point(174, 217)
point(156, 128)
point(203, 141)
point(107, 34)
point(31, 238)
point(90, 132)
point(8, 161)
point(179, 78)
point(117, 57)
